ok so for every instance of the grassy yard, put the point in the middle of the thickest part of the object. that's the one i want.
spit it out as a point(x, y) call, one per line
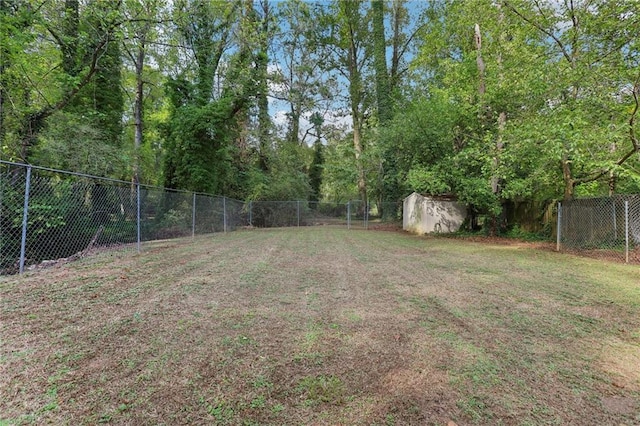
point(322, 326)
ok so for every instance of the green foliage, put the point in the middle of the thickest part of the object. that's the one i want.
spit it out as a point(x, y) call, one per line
point(536, 108)
point(339, 179)
point(285, 180)
point(322, 389)
point(418, 138)
point(426, 181)
point(198, 147)
point(72, 142)
point(64, 216)
point(315, 172)
point(521, 234)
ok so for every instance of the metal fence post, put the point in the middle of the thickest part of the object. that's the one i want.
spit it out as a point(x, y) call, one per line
point(298, 211)
point(25, 219)
point(193, 217)
point(224, 214)
point(626, 231)
point(250, 213)
point(559, 226)
point(138, 217)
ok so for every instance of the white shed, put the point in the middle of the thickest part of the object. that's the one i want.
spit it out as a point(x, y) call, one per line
point(423, 215)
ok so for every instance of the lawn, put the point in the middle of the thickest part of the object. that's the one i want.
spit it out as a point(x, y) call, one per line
point(322, 326)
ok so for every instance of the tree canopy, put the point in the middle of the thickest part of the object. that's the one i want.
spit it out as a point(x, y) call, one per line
point(493, 102)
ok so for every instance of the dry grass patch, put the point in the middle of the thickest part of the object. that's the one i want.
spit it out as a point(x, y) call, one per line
point(322, 326)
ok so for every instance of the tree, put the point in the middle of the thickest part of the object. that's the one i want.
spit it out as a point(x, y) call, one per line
point(315, 170)
point(141, 31)
point(15, 21)
point(52, 64)
point(200, 128)
point(383, 95)
point(347, 39)
point(593, 55)
point(467, 50)
point(299, 78)
point(389, 81)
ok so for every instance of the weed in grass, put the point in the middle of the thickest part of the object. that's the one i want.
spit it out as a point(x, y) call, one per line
point(220, 411)
point(17, 355)
point(312, 298)
point(243, 340)
point(128, 363)
point(92, 286)
point(255, 276)
point(258, 402)
point(474, 408)
point(105, 418)
point(322, 389)
point(425, 304)
point(184, 324)
point(130, 293)
point(236, 319)
point(311, 338)
point(262, 382)
point(353, 316)
point(128, 396)
point(483, 372)
point(313, 335)
point(27, 419)
point(277, 408)
point(238, 341)
point(52, 394)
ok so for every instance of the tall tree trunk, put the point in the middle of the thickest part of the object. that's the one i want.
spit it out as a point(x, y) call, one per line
point(294, 124)
point(138, 108)
point(477, 38)
point(502, 121)
point(380, 62)
point(357, 147)
point(355, 92)
point(262, 61)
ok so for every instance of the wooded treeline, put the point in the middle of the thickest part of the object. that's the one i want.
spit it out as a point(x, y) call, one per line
point(497, 102)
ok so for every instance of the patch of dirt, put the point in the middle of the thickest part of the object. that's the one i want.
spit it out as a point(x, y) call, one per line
point(621, 360)
point(620, 405)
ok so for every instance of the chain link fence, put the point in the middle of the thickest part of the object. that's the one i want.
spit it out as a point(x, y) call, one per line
point(607, 228)
point(352, 214)
point(48, 216)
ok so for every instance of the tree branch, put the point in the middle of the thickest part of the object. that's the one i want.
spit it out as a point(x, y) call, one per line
point(635, 144)
point(555, 38)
